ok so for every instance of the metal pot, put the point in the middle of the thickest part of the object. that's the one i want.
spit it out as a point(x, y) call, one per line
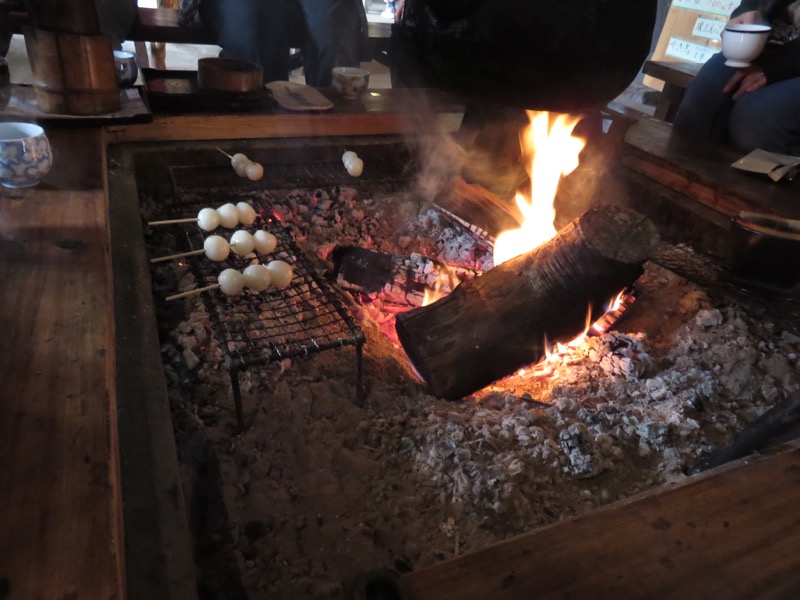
point(560, 55)
point(764, 254)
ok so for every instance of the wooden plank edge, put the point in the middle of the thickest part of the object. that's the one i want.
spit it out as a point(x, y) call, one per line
point(521, 560)
point(158, 550)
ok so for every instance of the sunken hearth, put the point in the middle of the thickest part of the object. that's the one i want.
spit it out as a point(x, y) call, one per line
point(324, 486)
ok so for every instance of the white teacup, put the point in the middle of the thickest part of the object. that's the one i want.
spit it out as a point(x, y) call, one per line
point(350, 82)
point(25, 155)
point(127, 69)
point(743, 42)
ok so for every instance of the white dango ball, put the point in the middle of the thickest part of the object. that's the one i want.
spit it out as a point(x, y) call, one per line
point(280, 273)
point(216, 247)
point(348, 156)
point(247, 214)
point(241, 168)
point(242, 242)
point(355, 167)
point(238, 159)
point(254, 171)
point(257, 277)
point(265, 241)
point(231, 282)
point(208, 219)
point(228, 215)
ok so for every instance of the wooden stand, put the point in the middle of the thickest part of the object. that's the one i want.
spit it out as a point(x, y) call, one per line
point(73, 74)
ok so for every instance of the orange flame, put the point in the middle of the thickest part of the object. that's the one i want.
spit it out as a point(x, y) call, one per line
point(553, 151)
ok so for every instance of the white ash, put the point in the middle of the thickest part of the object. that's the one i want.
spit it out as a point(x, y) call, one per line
point(319, 489)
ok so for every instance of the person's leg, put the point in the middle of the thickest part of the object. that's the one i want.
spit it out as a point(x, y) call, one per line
point(253, 30)
point(705, 109)
point(351, 22)
point(768, 118)
point(319, 51)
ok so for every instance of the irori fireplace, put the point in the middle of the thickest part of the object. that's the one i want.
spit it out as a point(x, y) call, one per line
point(321, 487)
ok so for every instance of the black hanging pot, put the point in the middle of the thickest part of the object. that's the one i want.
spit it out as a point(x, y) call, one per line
point(560, 55)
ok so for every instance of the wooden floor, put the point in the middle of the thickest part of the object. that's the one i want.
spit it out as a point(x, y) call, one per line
point(60, 530)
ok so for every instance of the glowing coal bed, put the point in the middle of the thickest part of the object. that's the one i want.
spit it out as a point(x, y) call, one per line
point(320, 488)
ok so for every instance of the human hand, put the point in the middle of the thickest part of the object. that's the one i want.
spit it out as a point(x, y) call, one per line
point(399, 5)
point(745, 80)
point(751, 16)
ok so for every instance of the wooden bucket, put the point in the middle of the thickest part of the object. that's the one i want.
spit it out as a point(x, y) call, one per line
point(72, 74)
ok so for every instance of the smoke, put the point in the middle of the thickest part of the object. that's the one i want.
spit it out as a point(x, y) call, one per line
point(482, 149)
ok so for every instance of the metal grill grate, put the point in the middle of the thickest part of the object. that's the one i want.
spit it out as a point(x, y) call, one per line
point(257, 328)
point(191, 181)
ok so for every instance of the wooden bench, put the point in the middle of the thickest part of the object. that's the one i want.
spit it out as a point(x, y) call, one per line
point(691, 187)
point(676, 77)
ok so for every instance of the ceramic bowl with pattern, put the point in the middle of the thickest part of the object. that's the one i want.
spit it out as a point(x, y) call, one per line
point(350, 82)
point(25, 155)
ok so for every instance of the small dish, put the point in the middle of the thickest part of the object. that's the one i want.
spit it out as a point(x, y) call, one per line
point(296, 96)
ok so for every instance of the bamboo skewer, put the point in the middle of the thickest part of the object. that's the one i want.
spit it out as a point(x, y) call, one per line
point(225, 153)
point(179, 255)
point(193, 292)
point(173, 221)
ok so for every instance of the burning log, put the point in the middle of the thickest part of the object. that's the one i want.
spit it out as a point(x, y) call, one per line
point(491, 326)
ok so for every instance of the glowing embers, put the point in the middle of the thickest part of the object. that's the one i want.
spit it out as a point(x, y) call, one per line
point(558, 354)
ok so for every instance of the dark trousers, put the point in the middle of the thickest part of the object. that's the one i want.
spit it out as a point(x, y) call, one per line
point(262, 31)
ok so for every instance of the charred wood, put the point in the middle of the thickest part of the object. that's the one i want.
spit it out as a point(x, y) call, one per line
point(491, 326)
point(400, 279)
point(478, 206)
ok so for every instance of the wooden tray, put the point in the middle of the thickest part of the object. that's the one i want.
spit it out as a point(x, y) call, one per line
point(296, 96)
point(178, 90)
point(19, 102)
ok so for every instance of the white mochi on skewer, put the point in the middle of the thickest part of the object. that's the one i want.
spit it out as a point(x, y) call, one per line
point(231, 282)
point(208, 219)
point(265, 241)
point(257, 277)
point(216, 248)
point(247, 214)
point(280, 273)
point(241, 168)
point(228, 215)
point(242, 242)
point(348, 156)
point(254, 171)
point(355, 167)
point(238, 159)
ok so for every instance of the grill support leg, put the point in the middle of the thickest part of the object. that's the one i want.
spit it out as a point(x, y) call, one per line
point(237, 398)
point(361, 393)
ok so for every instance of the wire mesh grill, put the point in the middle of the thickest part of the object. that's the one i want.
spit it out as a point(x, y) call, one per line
point(191, 181)
point(255, 328)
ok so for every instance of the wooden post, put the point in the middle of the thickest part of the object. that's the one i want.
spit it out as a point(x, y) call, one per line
point(65, 16)
point(71, 61)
